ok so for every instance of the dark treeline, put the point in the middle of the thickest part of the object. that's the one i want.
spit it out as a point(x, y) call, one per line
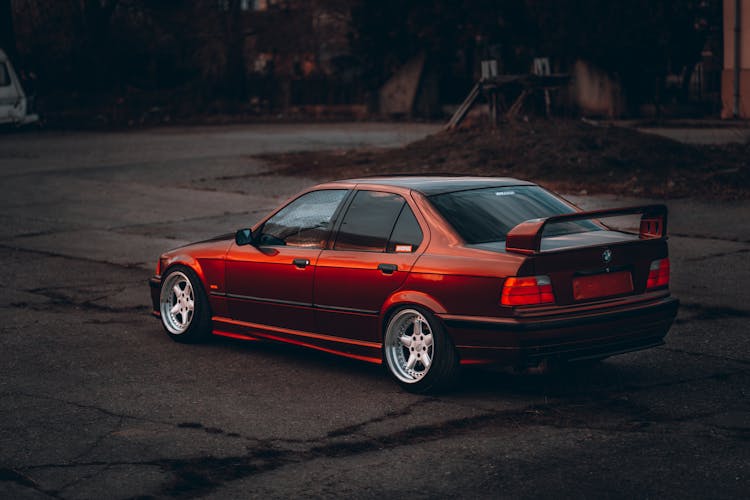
point(192, 54)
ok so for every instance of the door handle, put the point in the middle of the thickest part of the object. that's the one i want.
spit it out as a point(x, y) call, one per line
point(388, 268)
point(301, 263)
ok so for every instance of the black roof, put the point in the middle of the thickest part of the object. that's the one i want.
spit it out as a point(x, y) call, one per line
point(431, 185)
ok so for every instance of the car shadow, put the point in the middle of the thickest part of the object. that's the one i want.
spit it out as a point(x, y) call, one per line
point(303, 357)
point(575, 380)
point(585, 379)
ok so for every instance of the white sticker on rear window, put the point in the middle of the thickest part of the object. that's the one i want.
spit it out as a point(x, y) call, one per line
point(505, 193)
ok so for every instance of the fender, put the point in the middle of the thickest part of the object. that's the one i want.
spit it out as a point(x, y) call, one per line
point(207, 259)
point(182, 260)
point(404, 297)
point(210, 272)
point(210, 269)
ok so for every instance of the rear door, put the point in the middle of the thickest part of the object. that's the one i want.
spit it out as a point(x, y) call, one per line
point(272, 283)
point(377, 243)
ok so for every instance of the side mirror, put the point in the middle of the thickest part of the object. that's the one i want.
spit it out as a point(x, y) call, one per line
point(244, 237)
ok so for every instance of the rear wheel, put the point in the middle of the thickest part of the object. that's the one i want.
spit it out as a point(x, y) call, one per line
point(184, 308)
point(417, 351)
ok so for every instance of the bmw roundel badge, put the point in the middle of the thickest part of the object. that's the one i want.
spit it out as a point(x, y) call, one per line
point(607, 256)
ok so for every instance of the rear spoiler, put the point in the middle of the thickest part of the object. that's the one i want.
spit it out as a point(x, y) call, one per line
point(526, 238)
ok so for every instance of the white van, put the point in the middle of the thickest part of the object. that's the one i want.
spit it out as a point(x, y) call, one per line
point(13, 101)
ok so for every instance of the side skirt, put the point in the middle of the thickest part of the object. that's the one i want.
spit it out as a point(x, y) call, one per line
point(350, 348)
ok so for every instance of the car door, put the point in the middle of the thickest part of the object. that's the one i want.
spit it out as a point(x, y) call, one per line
point(271, 283)
point(376, 245)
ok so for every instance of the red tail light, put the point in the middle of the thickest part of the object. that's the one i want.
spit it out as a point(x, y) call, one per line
point(526, 291)
point(658, 274)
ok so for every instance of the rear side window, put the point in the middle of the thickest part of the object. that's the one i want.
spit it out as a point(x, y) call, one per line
point(369, 221)
point(4, 76)
point(407, 235)
point(486, 215)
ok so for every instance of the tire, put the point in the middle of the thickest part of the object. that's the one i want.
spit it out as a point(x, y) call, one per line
point(183, 305)
point(417, 352)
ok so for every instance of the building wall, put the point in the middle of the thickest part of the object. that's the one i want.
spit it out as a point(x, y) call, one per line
point(727, 77)
point(595, 93)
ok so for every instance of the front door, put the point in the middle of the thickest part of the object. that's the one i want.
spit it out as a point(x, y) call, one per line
point(271, 283)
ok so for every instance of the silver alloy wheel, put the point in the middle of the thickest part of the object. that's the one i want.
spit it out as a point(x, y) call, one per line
point(177, 303)
point(409, 346)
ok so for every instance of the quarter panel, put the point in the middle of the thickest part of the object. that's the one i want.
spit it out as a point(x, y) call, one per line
point(458, 294)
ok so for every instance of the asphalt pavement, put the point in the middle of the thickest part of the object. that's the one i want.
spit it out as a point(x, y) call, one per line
point(97, 402)
point(701, 135)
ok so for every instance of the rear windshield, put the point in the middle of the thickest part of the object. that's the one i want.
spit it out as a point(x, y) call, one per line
point(486, 215)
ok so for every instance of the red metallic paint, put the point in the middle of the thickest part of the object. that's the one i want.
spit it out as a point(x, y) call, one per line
point(207, 260)
point(365, 289)
point(340, 301)
point(240, 336)
point(257, 280)
point(365, 351)
point(410, 297)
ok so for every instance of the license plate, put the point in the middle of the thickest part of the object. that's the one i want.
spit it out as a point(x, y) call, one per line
point(602, 285)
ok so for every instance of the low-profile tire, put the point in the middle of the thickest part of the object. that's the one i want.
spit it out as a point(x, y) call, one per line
point(417, 352)
point(183, 305)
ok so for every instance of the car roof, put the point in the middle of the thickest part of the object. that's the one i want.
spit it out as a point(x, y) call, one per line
point(432, 185)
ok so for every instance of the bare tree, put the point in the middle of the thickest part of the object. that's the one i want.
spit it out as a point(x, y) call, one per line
point(7, 34)
point(235, 43)
point(94, 18)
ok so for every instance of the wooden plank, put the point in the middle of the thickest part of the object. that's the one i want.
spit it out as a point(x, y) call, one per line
point(463, 109)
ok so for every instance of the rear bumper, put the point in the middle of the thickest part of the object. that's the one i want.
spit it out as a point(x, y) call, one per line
point(576, 336)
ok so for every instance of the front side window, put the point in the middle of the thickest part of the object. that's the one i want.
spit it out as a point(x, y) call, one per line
point(486, 215)
point(305, 222)
point(369, 221)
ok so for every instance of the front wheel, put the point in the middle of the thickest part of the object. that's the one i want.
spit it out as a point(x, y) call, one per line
point(183, 305)
point(417, 351)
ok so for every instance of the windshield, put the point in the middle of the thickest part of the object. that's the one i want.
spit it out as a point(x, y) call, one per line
point(486, 215)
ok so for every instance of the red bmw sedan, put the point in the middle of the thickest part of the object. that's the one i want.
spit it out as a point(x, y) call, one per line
point(425, 274)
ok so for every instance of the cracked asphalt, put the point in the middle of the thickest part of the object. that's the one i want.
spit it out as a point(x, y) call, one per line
point(97, 402)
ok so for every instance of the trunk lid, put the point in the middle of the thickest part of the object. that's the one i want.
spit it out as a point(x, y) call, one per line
point(592, 265)
point(596, 271)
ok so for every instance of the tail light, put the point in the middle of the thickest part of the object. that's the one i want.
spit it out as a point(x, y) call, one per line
point(658, 274)
point(524, 291)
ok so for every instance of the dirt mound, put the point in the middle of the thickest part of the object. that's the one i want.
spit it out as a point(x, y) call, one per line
point(565, 155)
